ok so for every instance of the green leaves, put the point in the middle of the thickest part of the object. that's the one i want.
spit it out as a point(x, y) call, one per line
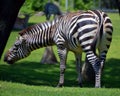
point(31, 6)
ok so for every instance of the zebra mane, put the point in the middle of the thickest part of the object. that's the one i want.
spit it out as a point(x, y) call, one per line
point(29, 29)
point(24, 31)
point(42, 27)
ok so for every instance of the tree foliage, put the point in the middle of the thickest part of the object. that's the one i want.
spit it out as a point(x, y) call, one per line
point(27, 7)
point(31, 6)
point(38, 5)
point(83, 4)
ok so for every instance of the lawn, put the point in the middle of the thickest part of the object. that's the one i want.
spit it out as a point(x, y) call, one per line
point(28, 77)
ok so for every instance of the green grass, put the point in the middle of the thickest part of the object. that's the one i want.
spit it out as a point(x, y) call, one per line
point(7, 89)
point(28, 77)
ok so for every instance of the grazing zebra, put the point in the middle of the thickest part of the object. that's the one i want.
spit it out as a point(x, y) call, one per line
point(51, 8)
point(31, 38)
point(77, 32)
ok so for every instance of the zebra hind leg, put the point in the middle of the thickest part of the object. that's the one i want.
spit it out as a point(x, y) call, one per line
point(94, 60)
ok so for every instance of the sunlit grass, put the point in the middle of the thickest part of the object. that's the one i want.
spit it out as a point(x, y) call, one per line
point(15, 89)
point(30, 78)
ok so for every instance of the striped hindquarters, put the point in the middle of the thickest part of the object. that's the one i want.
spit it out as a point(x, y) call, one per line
point(89, 30)
point(89, 26)
point(106, 37)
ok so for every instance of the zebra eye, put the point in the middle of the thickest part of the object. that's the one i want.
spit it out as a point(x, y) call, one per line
point(14, 51)
point(16, 44)
point(15, 47)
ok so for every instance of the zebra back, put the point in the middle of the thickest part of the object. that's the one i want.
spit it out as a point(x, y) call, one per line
point(72, 28)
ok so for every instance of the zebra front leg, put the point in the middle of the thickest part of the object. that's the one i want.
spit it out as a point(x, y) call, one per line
point(94, 60)
point(78, 68)
point(63, 56)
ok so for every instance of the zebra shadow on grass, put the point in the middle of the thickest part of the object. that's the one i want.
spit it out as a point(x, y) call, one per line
point(34, 73)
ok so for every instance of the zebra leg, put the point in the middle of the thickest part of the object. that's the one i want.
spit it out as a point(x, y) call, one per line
point(78, 68)
point(98, 78)
point(94, 60)
point(102, 57)
point(63, 56)
point(99, 73)
point(103, 49)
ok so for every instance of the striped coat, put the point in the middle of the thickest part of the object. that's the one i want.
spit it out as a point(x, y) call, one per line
point(86, 32)
point(77, 32)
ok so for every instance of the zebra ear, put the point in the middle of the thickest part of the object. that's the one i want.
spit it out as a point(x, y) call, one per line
point(22, 39)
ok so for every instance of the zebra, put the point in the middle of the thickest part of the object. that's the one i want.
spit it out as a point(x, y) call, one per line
point(77, 32)
point(51, 8)
point(31, 38)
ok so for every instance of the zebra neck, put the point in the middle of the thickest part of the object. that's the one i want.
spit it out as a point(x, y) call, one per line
point(40, 39)
point(40, 35)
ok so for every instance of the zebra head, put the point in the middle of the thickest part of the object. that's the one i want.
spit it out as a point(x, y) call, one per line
point(18, 51)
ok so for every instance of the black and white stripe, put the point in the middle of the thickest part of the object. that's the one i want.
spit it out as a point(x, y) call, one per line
point(32, 38)
point(77, 32)
point(86, 32)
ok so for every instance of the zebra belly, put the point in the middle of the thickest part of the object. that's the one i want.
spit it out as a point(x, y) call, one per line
point(74, 45)
point(76, 50)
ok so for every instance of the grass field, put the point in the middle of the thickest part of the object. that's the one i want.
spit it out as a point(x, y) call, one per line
point(28, 77)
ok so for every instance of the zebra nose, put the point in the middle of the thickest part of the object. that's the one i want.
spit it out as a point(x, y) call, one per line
point(6, 59)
